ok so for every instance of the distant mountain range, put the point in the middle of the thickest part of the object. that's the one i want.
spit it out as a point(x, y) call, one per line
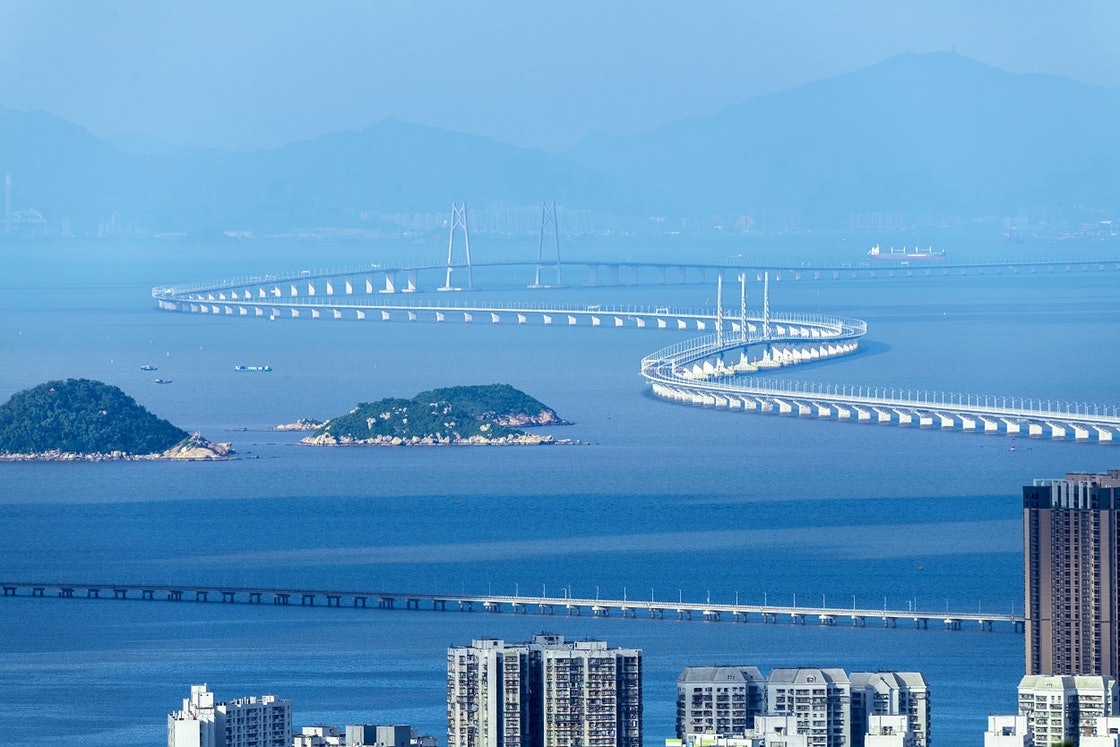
point(934, 137)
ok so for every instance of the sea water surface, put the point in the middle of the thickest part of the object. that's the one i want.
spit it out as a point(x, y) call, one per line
point(660, 500)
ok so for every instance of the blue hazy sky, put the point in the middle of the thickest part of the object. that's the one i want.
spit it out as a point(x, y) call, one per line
point(266, 72)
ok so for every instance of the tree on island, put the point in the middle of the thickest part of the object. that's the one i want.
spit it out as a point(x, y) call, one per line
point(82, 416)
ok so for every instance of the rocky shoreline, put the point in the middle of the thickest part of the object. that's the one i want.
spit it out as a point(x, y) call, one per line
point(526, 439)
point(194, 449)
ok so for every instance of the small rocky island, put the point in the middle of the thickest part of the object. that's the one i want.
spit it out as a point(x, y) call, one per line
point(491, 414)
point(86, 420)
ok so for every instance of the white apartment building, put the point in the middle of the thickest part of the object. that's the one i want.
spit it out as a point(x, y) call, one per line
point(822, 707)
point(264, 721)
point(1008, 731)
point(817, 700)
point(719, 700)
point(1106, 734)
point(1059, 707)
point(889, 731)
point(890, 694)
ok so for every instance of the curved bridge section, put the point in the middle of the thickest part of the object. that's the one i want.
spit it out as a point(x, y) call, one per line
point(708, 372)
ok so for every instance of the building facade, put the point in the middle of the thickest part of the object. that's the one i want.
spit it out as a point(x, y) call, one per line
point(719, 700)
point(806, 707)
point(264, 721)
point(1061, 707)
point(1071, 548)
point(546, 692)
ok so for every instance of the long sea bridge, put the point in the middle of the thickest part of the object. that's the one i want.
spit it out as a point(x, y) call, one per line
point(725, 368)
point(518, 604)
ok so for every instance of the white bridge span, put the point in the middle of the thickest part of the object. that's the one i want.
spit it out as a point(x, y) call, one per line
point(721, 369)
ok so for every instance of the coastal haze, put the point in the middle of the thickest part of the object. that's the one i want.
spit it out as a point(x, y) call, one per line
point(733, 135)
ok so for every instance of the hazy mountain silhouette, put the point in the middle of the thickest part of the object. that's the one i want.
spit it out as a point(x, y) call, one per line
point(935, 134)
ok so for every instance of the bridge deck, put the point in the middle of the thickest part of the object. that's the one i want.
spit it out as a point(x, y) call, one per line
point(516, 604)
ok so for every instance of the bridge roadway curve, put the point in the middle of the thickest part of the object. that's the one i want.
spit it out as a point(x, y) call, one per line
point(521, 604)
point(686, 373)
point(708, 371)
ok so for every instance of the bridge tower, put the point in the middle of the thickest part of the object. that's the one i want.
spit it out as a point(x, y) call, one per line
point(766, 305)
point(548, 216)
point(458, 219)
point(743, 306)
point(719, 309)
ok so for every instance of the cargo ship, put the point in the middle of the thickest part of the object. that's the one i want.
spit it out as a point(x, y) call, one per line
point(242, 369)
point(905, 255)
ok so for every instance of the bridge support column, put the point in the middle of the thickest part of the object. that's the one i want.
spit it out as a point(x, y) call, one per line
point(174, 595)
point(9, 591)
point(359, 601)
point(439, 604)
point(37, 591)
point(93, 593)
point(307, 599)
point(412, 604)
point(281, 598)
point(254, 597)
point(67, 593)
point(147, 593)
point(334, 600)
point(229, 596)
point(201, 596)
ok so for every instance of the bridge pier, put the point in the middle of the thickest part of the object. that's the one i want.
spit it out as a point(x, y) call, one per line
point(93, 593)
point(174, 595)
point(334, 600)
point(37, 591)
point(229, 597)
point(147, 593)
point(66, 592)
point(254, 597)
point(359, 601)
point(439, 604)
point(9, 591)
point(307, 599)
point(281, 598)
point(201, 596)
point(412, 604)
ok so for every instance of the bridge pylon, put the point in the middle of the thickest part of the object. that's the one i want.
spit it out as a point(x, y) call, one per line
point(458, 220)
point(548, 217)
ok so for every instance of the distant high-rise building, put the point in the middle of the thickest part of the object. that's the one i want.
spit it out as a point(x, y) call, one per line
point(1071, 548)
point(247, 722)
point(543, 693)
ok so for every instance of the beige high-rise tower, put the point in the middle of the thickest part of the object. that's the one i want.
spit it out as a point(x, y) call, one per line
point(1071, 547)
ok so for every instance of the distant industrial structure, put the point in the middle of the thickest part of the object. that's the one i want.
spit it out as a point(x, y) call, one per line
point(546, 692)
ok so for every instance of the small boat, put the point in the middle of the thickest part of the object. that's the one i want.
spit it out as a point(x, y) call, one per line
point(252, 369)
point(149, 367)
point(163, 381)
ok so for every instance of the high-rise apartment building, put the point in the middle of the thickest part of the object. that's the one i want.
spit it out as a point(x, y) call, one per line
point(1071, 553)
point(719, 700)
point(1061, 707)
point(247, 722)
point(547, 692)
point(805, 706)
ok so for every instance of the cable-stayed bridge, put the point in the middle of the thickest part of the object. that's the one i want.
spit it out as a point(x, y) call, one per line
point(720, 369)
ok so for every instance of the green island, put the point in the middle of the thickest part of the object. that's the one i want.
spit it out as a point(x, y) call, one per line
point(86, 420)
point(492, 414)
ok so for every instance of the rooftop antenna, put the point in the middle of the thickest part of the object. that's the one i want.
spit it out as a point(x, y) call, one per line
point(458, 218)
point(548, 216)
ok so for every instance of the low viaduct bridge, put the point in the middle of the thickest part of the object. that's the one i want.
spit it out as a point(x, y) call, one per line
point(542, 604)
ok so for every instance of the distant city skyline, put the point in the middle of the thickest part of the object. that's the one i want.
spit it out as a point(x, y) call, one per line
point(260, 74)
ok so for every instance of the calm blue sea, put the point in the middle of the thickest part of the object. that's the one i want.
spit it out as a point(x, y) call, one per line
point(662, 500)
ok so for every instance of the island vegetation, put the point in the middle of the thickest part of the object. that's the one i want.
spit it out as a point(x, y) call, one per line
point(486, 414)
point(82, 419)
